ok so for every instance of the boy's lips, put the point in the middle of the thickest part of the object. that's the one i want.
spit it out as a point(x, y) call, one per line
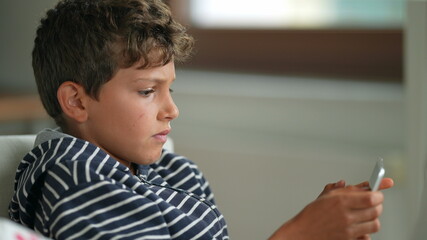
point(162, 136)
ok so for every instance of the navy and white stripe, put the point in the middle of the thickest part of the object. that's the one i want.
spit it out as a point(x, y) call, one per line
point(67, 188)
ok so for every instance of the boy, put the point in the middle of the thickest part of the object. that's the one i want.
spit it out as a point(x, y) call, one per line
point(104, 69)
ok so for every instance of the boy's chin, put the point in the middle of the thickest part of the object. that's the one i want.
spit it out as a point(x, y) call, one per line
point(152, 157)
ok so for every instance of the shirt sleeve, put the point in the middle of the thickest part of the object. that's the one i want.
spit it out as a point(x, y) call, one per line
point(104, 210)
point(78, 203)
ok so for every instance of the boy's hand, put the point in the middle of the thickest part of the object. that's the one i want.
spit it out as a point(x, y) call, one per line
point(385, 184)
point(340, 212)
point(345, 213)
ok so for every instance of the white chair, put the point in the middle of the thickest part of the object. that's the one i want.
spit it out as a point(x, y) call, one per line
point(12, 149)
point(13, 231)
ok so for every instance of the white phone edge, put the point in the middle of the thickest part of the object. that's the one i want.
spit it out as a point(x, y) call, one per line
point(377, 175)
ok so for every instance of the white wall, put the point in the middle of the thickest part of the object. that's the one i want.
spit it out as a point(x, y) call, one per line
point(268, 145)
point(18, 23)
point(416, 115)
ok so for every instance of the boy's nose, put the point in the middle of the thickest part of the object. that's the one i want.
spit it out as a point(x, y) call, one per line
point(170, 110)
point(174, 111)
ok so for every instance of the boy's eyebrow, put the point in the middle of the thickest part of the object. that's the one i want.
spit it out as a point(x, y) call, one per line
point(153, 80)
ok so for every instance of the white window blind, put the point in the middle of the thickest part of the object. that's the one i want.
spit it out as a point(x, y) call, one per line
point(297, 13)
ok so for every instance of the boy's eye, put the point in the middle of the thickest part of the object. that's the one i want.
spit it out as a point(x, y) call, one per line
point(170, 90)
point(146, 92)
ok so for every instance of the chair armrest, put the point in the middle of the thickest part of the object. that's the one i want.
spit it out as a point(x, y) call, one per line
point(13, 231)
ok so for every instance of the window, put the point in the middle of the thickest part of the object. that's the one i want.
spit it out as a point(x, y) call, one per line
point(340, 38)
point(296, 13)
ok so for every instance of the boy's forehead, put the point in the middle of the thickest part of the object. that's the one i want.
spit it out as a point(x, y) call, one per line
point(151, 74)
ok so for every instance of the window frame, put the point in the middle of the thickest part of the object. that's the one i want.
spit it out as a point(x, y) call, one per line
point(362, 54)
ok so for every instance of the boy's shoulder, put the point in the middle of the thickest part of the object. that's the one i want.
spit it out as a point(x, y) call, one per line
point(70, 160)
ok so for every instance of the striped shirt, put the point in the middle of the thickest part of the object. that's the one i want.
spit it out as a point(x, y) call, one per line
point(67, 188)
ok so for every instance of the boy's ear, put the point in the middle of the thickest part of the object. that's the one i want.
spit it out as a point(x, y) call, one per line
point(72, 98)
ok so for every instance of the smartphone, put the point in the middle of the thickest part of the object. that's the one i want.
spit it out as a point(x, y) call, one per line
point(377, 175)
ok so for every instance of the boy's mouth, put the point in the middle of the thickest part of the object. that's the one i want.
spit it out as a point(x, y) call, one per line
point(162, 136)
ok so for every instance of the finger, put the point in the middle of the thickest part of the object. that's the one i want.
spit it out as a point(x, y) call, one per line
point(386, 183)
point(361, 199)
point(358, 187)
point(366, 215)
point(340, 184)
point(364, 237)
point(366, 228)
point(363, 185)
point(329, 187)
point(332, 186)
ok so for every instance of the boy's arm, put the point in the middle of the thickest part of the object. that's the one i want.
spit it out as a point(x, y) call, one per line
point(108, 210)
point(105, 210)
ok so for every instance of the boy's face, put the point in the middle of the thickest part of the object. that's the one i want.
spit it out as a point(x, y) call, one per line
point(131, 118)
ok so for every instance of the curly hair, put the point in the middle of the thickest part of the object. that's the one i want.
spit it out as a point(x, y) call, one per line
point(87, 41)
